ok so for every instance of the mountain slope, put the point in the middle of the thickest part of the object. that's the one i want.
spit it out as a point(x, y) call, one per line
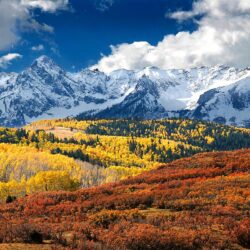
point(39, 88)
point(46, 91)
point(193, 203)
point(141, 103)
point(228, 105)
point(178, 93)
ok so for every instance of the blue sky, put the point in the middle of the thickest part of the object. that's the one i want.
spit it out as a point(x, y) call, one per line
point(131, 34)
point(84, 32)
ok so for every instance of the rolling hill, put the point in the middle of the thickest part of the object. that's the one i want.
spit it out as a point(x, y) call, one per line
point(200, 202)
point(71, 154)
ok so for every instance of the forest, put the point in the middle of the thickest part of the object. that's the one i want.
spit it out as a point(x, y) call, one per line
point(200, 202)
point(70, 154)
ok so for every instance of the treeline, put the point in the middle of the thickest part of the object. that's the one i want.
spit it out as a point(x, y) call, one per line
point(159, 151)
point(141, 143)
point(26, 169)
point(101, 151)
point(207, 135)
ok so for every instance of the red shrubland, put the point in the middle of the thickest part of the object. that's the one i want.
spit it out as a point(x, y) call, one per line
point(193, 203)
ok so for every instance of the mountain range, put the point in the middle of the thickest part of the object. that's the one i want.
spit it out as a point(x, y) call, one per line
point(46, 91)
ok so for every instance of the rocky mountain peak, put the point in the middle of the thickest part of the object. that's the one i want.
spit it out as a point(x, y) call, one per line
point(45, 91)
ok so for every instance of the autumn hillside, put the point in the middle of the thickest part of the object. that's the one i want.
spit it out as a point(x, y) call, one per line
point(70, 154)
point(202, 202)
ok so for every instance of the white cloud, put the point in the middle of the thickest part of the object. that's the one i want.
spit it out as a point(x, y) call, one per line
point(9, 13)
point(38, 47)
point(6, 59)
point(222, 37)
point(17, 14)
point(127, 56)
point(46, 5)
point(33, 25)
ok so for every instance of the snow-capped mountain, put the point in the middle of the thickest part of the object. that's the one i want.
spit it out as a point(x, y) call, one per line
point(176, 93)
point(44, 91)
point(6, 79)
point(142, 102)
point(229, 104)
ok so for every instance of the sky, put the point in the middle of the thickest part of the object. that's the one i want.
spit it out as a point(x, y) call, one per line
point(131, 34)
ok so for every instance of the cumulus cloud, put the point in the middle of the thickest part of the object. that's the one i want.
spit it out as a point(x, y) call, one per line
point(46, 5)
point(7, 59)
point(222, 37)
point(17, 14)
point(8, 16)
point(38, 47)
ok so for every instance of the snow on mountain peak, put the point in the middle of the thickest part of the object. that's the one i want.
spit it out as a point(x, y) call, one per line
point(44, 60)
point(45, 90)
point(228, 104)
point(7, 79)
point(47, 64)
